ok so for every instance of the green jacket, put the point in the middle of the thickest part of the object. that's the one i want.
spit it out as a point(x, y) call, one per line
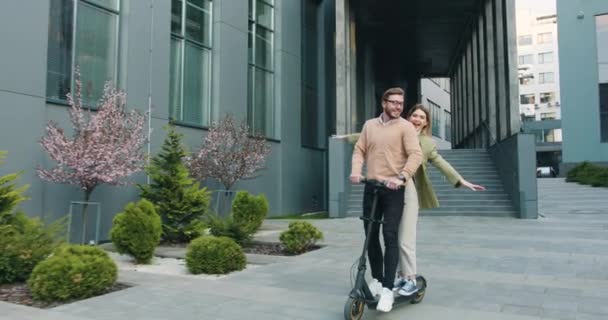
point(426, 195)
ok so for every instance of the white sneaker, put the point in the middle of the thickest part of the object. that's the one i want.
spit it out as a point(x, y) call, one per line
point(375, 287)
point(385, 304)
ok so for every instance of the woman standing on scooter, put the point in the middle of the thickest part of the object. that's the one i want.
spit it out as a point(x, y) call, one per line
point(419, 194)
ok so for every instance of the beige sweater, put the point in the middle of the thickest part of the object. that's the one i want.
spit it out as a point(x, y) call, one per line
point(388, 149)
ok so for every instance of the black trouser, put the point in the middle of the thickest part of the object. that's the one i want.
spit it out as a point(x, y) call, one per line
point(389, 206)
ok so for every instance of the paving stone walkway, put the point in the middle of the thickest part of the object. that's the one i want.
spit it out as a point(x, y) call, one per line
point(555, 267)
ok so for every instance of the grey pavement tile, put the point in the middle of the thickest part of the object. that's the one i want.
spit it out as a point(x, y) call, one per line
point(590, 316)
point(522, 310)
point(557, 314)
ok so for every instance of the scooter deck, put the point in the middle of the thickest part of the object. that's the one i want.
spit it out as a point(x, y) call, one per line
point(399, 299)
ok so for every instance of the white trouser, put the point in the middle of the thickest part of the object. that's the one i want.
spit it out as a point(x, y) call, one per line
point(407, 231)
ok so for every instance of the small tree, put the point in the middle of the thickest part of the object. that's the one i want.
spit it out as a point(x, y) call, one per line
point(10, 194)
point(177, 198)
point(229, 153)
point(106, 147)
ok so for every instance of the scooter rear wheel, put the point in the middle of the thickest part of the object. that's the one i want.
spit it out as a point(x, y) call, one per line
point(353, 309)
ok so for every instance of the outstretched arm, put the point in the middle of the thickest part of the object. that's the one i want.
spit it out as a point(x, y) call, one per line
point(450, 173)
point(351, 138)
point(358, 158)
point(474, 187)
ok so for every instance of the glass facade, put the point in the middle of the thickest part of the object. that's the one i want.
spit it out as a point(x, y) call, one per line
point(190, 65)
point(82, 34)
point(601, 24)
point(260, 110)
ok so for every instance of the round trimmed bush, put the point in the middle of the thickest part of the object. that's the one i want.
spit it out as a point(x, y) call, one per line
point(73, 272)
point(137, 231)
point(214, 255)
point(300, 236)
point(249, 210)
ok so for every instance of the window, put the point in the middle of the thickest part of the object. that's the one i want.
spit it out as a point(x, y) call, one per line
point(312, 120)
point(545, 57)
point(435, 110)
point(260, 111)
point(545, 77)
point(545, 37)
point(190, 66)
point(448, 126)
point(526, 118)
point(548, 116)
point(527, 99)
point(82, 33)
point(547, 97)
point(526, 59)
point(524, 81)
point(525, 40)
point(601, 27)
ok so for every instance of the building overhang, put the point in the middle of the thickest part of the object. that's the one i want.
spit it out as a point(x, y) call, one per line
point(420, 36)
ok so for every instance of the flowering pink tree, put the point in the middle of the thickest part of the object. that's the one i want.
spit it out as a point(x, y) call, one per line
point(229, 153)
point(106, 146)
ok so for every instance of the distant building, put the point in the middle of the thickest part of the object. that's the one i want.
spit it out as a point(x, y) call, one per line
point(539, 91)
point(583, 60)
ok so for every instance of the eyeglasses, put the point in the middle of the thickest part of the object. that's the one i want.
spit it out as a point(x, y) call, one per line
point(394, 102)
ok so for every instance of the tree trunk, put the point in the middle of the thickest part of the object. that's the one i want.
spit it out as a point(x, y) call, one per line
point(85, 205)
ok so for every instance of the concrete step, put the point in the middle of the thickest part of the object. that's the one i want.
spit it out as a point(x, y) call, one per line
point(476, 166)
point(481, 181)
point(478, 213)
point(479, 175)
point(455, 203)
point(462, 192)
point(472, 158)
point(474, 202)
point(472, 195)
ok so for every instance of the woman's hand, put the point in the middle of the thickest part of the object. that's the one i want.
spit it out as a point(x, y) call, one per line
point(474, 187)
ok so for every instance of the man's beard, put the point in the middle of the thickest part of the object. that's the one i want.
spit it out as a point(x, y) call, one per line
point(390, 115)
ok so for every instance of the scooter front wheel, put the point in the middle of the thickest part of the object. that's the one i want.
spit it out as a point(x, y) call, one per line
point(418, 296)
point(354, 308)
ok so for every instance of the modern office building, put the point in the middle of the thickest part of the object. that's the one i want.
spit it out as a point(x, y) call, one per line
point(298, 71)
point(435, 95)
point(539, 68)
point(266, 61)
point(583, 63)
point(539, 94)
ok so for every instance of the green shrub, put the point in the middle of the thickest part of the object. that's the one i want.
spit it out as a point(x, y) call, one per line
point(10, 194)
point(24, 243)
point(579, 172)
point(229, 227)
point(73, 272)
point(248, 214)
point(586, 173)
point(137, 230)
point(178, 199)
point(249, 210)
point(599, 178)
point(300, 236)
point(214, 255)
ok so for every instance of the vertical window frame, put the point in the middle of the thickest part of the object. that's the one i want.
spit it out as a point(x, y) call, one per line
point(73, 48)
point(253, 67)
point(184, 40)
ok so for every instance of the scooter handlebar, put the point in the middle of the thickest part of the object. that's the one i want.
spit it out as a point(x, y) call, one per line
point(373, 182)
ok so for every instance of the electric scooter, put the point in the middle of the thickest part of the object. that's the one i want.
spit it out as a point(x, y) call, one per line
point(360, 295)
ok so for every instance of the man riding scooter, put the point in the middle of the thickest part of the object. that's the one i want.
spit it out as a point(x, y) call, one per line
point(389, 146)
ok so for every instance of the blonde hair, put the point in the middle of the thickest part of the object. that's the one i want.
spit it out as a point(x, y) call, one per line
point(427, 129)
